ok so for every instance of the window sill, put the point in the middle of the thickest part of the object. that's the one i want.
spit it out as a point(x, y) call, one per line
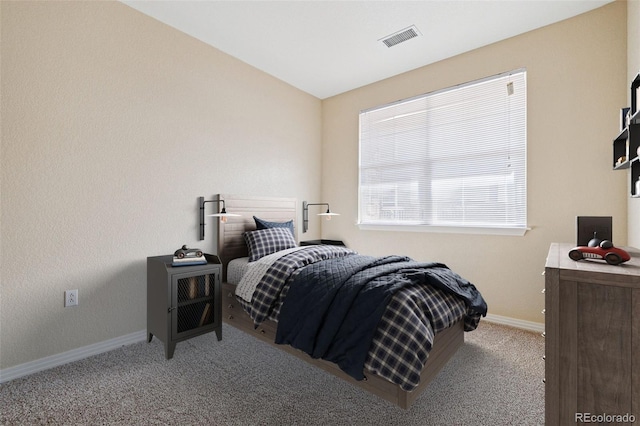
point(518, 232)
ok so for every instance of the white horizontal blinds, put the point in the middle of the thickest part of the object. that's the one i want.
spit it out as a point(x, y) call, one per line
point(392, 158)
point(455, 157)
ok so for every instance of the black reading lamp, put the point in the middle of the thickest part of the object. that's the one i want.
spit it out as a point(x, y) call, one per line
point(223, 215)
point(305, 213)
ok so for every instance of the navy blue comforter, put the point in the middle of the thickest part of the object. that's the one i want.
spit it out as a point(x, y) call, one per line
point(333, 306)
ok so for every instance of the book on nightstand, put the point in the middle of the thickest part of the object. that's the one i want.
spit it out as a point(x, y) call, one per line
point(206, 314)
point(200, 260)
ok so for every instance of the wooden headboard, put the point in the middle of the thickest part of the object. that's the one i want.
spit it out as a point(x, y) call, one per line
point(231, 243)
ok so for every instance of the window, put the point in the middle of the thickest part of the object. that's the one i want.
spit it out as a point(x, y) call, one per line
point(454, 159)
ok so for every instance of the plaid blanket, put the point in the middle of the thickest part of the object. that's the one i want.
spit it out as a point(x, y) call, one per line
point(404, 337)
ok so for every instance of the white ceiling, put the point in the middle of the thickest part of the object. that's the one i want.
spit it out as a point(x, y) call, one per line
point(329, 47)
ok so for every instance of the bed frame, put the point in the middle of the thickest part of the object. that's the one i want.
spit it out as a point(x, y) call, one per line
point(231, 245)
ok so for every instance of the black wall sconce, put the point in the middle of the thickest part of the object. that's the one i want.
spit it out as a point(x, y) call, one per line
point(223, 215)
point(305, 213)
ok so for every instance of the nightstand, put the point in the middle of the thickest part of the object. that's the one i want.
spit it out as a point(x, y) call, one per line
point(182, 301)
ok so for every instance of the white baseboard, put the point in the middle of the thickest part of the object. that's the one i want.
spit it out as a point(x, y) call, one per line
point(538, 327)
point(73, 355)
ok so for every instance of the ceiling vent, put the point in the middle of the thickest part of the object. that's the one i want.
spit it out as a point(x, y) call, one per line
point(400, 36)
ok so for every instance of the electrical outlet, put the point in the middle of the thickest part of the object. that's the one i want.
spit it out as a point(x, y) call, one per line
point(70, 298)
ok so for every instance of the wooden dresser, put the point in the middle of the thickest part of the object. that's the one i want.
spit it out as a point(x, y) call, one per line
point(592, 331)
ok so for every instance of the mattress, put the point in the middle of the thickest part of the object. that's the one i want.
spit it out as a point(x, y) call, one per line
point(236, 269)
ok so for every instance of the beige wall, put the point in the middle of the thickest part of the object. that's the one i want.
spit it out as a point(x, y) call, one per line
point(575, 91)
point(633, 68)
point(113, 124)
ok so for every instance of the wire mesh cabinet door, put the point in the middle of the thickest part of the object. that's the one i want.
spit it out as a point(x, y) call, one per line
point(195, 305)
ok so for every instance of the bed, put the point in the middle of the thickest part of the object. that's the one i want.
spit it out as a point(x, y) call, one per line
point(237, 301)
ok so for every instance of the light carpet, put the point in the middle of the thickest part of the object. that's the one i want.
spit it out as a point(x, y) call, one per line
point(495, 378)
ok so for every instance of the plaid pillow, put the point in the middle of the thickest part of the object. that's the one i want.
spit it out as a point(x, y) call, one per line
point(267, 241)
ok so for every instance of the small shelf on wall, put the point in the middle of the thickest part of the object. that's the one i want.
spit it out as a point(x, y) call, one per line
point(635, 92)
point(626, 146)
point(635, 175)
